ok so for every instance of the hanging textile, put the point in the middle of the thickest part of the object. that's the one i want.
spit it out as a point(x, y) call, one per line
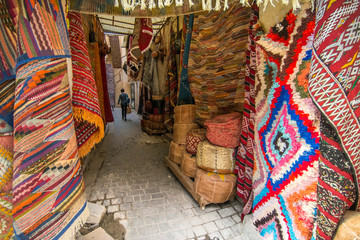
point(171, 83)
point(108, 113)
point(145, 35)
point(95, 61)
point(8, 22)
point(115, 51)
point(134, 52)
point(334, 86)
point(216, 70)
point(89, 125)
point(48, 190)
point(184, 95)
point(111, 83)
point(245, 151)
point(286, 140)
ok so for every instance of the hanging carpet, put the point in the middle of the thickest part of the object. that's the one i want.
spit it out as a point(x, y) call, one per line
point(245, 152)
point(48, 189)
point(334, 86)
point(145, 35)
point(110, 83)
point(115, 51)
point(89, 124)
point(216, 70)
point(108, 113)
point(286, 131)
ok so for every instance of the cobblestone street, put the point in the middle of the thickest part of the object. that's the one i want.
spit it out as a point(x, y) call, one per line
point(127, 175)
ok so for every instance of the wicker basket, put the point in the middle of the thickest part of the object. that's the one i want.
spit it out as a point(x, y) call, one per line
point(176, 152)
point(185, 113)
point(193, 138)
point(224, 130)
point(146, 123)
point(349, 226)
point(215, 188)
point(188, 165)
point(214, 158)
point(157, 125)
point(180, 131)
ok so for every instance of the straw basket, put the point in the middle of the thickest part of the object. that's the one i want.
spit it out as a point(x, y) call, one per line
point(176, 152)
point(215, 188)
point(181, 129)
point(193, 138)
point(157, 125)
point(214, 158)
point(349, 227)
point(185, 113)
point(146, 123)
point(224, 130)
point(188, 165)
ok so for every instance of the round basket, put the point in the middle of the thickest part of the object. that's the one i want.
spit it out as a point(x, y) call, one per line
point(188, 165)
point(214, 158)
point(185, 113)
point(180, 131)
point(193, 138)
point(224, 130)
point(157, 125)
point(176, 152)
point(156, 118)
point(215, 188)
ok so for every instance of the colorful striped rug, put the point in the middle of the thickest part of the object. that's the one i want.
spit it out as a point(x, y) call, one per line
point(89, 124)
point(48, 189)
point(334, 87)
point(286, 131)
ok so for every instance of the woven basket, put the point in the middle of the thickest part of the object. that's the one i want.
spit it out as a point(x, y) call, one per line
point(349, 226)
point(157, 125)
point(188, 165)
point(224, 130)
point(146, 123)
point(156, 118)
point(214, 158)
point(176, 152)
point(185, 113)
point(180, 131)
point(215, 188)
point(193, 138)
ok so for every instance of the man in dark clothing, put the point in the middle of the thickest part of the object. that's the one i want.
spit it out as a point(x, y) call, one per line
point(124, 99)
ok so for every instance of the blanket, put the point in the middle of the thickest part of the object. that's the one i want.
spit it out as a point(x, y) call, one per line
point(334, 87)
point(286, 131)
point(85, 99)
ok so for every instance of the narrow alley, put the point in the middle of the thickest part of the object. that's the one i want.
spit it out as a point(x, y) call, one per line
point(126, 174)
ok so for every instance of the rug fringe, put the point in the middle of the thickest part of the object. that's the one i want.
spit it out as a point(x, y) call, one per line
point(81, 114)
point(76, 225)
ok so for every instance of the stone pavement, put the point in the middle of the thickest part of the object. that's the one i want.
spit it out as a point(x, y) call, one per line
point(127, 175)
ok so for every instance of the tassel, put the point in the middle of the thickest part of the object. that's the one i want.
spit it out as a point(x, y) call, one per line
point(167, 3)
point(226, 5)
point(143, 5)
point(191, 3)
point(160, 4)
point(217, 5)
point(179, 2)
point(206, 6)
point(116, 3)
point(128, 6)
point(152, 4)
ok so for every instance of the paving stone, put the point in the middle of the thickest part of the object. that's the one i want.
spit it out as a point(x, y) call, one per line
point(137, 199)
point(227, 233)
point(145, 197)
point(116, 201)
point(106, 202)
point(180, 224)
point(112, 208)
point(175, 235)
point(164, 227)
point(148, 230)
point(125, 206)
point(157, 195)
point(195, 221)
point(199, 230)
point(96, 195)
point(156, 218)
point(236, 218)
point(225, 223)
point(97, 212)
point(209, 217)
point(218, 235)
point(211, 208)
point(136, 222)
point(188, 213)
point(97, 234)
point(225, 212)
point(211, 227)
point(152, 190)
point(119, 215)
point(237, 229)
point(127, 199)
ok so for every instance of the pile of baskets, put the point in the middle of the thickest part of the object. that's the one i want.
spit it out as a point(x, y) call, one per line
point(207, 156)
point(153, 122)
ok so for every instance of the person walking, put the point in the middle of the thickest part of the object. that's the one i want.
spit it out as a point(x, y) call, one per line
point(124, 99)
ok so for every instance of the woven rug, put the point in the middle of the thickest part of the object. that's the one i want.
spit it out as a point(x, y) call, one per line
point(110, 83)
point(245, 151)
point(216, 71)
point(115, 51)
point(48, 189)
point(184, 95)
point(146, 34)
point(84, 94)
point(334, 86)
point(286, 132)
point(108, 113)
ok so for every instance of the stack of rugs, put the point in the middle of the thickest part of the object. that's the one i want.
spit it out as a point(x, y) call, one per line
point(216, 70)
